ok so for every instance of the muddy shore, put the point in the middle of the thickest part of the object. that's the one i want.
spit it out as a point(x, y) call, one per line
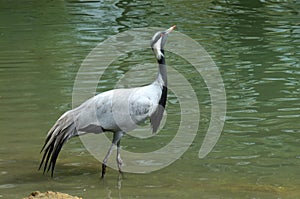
point(50, 195)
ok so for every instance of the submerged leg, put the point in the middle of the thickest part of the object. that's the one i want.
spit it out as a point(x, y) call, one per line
point(119, 160)
point(106, 159)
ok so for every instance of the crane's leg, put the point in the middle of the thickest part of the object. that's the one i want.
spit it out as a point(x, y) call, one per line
point(106, 159)
point(116, 141)
point(119, 160)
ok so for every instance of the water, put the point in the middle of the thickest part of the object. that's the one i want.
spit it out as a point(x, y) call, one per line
point(255, 45)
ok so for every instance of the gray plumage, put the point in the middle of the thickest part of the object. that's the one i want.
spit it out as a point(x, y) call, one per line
point(118, 111)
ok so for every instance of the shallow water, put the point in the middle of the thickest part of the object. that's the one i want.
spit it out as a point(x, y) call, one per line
point(255, 45)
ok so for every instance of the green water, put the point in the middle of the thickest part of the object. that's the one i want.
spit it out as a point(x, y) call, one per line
point(255, 45)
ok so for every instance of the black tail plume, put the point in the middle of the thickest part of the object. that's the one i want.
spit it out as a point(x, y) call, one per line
point(58, 135)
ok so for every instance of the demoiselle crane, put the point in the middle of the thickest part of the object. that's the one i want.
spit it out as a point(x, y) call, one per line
point(132, 105)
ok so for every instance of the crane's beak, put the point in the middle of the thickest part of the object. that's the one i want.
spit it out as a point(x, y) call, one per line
point(170, 29)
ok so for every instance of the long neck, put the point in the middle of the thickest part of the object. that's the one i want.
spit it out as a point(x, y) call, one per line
point(162, 70)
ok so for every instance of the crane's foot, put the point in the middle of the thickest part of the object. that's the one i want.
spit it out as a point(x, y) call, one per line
point(103, 170)
point(120, 163)
point(121, 175)
point(121, 172)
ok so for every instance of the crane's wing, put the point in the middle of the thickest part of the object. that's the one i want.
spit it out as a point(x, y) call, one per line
point(156, 117)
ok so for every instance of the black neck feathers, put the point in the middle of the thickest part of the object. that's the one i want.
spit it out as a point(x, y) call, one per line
point(162, 60)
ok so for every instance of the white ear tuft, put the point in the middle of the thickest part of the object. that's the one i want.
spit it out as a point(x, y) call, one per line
point(159, 54)
point(157, 49)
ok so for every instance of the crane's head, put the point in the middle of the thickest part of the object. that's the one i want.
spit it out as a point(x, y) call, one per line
point(158, 42)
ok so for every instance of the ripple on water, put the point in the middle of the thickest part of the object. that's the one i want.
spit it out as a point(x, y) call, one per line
point(244, 157)
point(7, 186)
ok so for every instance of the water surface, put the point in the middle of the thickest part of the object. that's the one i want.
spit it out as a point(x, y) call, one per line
point(255, 45)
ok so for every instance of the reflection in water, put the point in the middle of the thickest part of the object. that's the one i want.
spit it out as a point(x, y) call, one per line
point(120, 184)
point(255, 44)
point(111, 188)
